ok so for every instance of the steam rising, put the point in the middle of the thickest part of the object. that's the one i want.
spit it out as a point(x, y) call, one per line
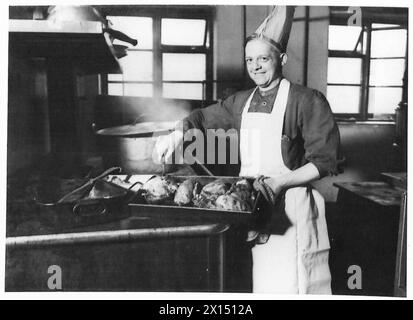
point(149, 109)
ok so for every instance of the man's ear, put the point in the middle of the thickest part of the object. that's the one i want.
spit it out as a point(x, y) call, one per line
point(283, 57)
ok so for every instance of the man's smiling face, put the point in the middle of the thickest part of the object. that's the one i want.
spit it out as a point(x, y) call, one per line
point(263, 63)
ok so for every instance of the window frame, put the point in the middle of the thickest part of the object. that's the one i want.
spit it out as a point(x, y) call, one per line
point(157, 13)
point(366, 27)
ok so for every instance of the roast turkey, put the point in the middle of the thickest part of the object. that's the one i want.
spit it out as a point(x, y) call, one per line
point(210, 193)
point(159, 190)
point(232, 202)
point(186, 192)
point(238, 198)
point(243, 189)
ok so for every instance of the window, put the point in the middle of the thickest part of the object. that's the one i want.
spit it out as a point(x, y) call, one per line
point(173, 58)
point(137, 67)
point(366, 65)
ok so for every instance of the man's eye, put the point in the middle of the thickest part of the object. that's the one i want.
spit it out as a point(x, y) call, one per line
point(264, 59)
point(248, 60)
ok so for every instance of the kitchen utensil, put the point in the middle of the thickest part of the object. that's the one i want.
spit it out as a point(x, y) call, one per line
point(163, 165)
point(88, 184)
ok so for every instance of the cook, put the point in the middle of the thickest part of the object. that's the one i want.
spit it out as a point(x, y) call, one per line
point(297, 143)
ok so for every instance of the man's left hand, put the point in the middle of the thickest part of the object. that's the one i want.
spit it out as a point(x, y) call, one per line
point(275, 185)
point(268, 188)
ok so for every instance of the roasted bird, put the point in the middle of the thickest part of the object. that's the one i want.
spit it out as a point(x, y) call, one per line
point(210, 193)
point(218, 194)
point(186, 192)
point(159, 190)
point(243, 189)
point(232, 202)
point(238, 198)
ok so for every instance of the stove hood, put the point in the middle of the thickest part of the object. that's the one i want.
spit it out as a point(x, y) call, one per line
point(88, 44)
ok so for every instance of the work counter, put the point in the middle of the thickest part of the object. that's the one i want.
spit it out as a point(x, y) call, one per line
point(138, 252)
point(132, 254)
point(365, 234)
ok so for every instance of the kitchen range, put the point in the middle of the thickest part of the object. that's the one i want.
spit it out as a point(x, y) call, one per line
point(123, 126)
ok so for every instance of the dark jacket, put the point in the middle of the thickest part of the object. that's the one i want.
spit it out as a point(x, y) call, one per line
point(310, 133)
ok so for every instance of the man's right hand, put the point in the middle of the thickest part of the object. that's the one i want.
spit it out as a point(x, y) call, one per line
point(166, 145)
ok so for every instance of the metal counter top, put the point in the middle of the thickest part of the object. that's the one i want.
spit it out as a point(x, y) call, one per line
point(376, 191)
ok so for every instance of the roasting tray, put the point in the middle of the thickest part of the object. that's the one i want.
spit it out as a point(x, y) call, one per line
point(78, 210)
point(140, 208)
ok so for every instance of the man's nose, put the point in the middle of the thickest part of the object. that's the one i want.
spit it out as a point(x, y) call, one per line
point(256, 65)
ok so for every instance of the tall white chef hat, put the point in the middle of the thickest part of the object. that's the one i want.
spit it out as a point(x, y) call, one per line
point(275, 29)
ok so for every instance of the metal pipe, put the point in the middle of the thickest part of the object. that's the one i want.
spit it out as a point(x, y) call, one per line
point(306, 43)
point(221, 262)
point(366, 77)
point(244, 37)
point(113, 236)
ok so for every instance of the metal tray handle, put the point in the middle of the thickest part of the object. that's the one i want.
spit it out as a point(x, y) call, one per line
point(85, 208)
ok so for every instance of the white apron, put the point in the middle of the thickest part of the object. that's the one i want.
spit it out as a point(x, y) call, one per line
point(296, 261)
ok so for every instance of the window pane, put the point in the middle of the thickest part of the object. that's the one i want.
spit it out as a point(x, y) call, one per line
point(386, 72)
point(139, 28)
point(364, 51)
point(115, 89)
point(115, 77)
point(138, 89)
point(183, 90)
point(384, 100)
point(388, 43)
point(343, 37)
point(137, 66)
point(382, 25)
point(344, 70)
point(344, 99)
point(190, 32)
point(184, 66)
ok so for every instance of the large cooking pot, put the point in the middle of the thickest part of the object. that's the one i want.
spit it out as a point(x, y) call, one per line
point(131, 147)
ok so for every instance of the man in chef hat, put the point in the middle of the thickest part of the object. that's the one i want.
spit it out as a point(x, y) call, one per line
point(298, 144)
